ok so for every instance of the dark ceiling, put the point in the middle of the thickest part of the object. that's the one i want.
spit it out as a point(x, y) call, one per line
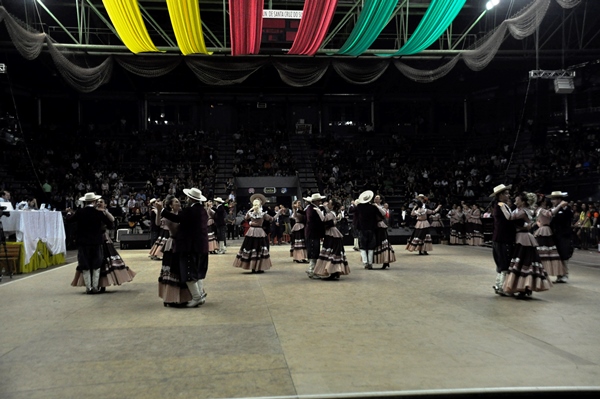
point(566, 38)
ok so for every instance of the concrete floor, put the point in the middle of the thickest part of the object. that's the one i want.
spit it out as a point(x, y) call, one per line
point(427, 323)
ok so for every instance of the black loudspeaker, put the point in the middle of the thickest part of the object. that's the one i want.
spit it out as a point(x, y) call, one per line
point(135, 241)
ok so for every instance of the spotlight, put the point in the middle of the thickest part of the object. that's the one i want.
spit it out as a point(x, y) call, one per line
point(495, 2)
point(489, 5)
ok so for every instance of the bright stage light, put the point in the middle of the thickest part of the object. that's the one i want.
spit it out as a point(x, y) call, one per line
point(489, 5)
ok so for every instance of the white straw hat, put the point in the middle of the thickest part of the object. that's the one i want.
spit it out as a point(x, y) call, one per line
point(194, 193)
point(365, 197)
point(88, 197)
point(557, 194)
point(499, 189)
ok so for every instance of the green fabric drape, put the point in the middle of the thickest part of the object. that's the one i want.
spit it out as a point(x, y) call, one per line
point(437, 18)
point(374, 16)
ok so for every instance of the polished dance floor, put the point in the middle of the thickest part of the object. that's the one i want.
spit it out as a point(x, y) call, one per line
point(428, 323)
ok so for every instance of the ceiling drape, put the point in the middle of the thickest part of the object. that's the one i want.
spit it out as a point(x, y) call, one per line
point(187, 25)
point(374, 16)
point(246, 18)
point(316, 18)
point(437, 18)
point(127, 20)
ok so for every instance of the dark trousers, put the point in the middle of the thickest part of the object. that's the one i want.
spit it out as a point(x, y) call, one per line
point(313, 247)
point(230, 231)
point(502, 253)
point(222, 234)
point(89, 257)
point(192, 266)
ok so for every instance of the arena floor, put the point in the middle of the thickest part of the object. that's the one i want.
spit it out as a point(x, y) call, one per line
point(428, 323)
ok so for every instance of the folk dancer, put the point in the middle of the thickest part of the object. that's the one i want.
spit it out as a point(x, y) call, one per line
point(332, 262)
point(503, 237)
point(383, 254)
point(526, 272)
point(314, 231)
point(298, 246)
point(254, 252)
point(366, 216)
point(561, 232)
point(420, 238)
point(191, 243)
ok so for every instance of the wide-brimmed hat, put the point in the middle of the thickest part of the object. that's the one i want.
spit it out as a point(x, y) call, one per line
point(422, 196)
point(498, 189)
point(152, 201)
point(194, 194)
point(259, 197)
point(315, 197)
point(557, 194)
point(88, 197)
point(365, 197)
point(219, 200)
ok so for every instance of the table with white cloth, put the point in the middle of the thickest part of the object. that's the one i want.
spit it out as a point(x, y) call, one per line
point(42, 235)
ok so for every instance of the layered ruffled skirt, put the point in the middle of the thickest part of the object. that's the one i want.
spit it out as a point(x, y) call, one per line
point(171, 289)
point(383, 253)
point(526, 272)
point(253, 254)
point(332, 258)
point(298, 244)
point(113, 270)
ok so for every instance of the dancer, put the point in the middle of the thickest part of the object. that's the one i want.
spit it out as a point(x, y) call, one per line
point(298, 249)
point(383, 254)
point(90, 224)
point(467, 211)
point(365, 215)
point(213, 246)
point(562, 233)
point(553, 265)
point(314, 231)
point(526, 272)
point(155, 233)
point(503, 237)
point(332, 262)
point(438, 225)
point(113, 270)
point(171, 287)
point(221, 227)
point(457, 226)
point(474, 223)
point(420, 238)
point(156, 252)
point(254, 252)
point(191, 244)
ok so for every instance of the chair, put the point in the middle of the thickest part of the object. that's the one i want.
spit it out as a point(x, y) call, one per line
point(10, 261)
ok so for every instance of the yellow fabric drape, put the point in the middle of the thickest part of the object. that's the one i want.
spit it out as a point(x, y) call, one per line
point(187, 25)
point(40, 260)
point(127, 19)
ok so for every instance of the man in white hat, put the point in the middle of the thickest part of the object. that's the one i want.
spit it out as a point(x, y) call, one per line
point(503, 238)
point(90, 221)
point(314, 231)
point(561, 231)
point(366, 215)
point(191, 243)
point(220, 215)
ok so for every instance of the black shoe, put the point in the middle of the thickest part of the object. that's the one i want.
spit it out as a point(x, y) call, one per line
point(260, 271)
point(385, 265)
point(425, 253)
point(304, 261)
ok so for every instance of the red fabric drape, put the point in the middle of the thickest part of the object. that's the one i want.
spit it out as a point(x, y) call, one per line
point(245, 20)
point(316, 18)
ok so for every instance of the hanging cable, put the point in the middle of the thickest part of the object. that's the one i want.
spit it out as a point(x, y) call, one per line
point(20, 127)
point(512, 153)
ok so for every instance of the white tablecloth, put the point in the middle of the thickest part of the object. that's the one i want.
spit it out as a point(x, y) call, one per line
point(33, 226)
